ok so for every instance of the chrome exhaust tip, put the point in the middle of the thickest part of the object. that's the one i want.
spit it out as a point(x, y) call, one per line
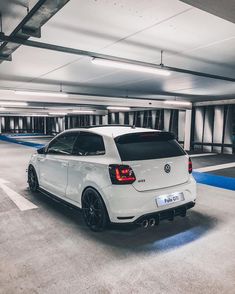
point(152, 222)
point(145, 223)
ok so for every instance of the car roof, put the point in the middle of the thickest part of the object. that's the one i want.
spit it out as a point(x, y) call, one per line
point(114, 131)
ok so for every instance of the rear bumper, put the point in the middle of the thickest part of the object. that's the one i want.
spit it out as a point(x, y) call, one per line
point(167, 214)
point(126, 205)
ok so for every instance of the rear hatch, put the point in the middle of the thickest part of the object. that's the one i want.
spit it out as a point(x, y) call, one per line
point(156, 158)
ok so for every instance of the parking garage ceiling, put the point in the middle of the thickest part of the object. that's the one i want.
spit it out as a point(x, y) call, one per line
point(191, 39)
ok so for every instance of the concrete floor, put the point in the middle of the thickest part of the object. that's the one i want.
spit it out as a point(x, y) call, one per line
point(49, 250)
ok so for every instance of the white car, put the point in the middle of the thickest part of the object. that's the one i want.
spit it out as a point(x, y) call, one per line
point(117, 174)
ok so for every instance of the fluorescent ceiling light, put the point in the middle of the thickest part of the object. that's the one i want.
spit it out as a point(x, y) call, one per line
point(2, 108)
point(8, 103)
point(178, 103)
point(130, 66)
point(58, 113)
point(118, 108)
point(40, 115)
point(46, 94)
point(27, 114)
point(83, 111)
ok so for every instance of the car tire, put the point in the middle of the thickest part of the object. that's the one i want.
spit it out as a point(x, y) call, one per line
point(32, 179)
point(94, 210)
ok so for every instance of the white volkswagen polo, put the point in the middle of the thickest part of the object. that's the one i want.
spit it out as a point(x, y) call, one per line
point(117, 174)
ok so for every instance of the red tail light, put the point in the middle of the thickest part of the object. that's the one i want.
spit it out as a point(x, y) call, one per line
point(121, 174)
point(190, 166)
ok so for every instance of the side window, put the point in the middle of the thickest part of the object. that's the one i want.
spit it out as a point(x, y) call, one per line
point(89, 144)
point(63, 144)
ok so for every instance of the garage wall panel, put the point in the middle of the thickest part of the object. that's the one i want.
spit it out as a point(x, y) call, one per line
point(228, 130)
point(218, 128)
point(121, 118)
point(208, 129)
point(167, 117)
point(181, 125)
point(131, 118)
point(199, 125)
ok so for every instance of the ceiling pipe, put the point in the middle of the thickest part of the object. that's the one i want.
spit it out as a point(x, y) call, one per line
point(215, 102)
point(91, 54)
point(31, 25)
point(74, 101)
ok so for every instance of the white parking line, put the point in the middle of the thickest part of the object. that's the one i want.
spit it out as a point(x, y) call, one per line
point(203, 154)
point(21, 202)
point(215, 167)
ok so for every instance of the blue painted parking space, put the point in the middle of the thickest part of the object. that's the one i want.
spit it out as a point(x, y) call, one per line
point(215, 180)
point(20, 142)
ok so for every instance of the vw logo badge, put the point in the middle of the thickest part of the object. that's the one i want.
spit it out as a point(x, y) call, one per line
point(167, 168)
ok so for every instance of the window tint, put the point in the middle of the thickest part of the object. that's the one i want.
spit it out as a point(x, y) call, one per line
point(148, 145)
point(63, 144)
point(89, 144)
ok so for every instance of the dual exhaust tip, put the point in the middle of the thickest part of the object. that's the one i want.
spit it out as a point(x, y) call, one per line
point(151, 222)
point(148, 223)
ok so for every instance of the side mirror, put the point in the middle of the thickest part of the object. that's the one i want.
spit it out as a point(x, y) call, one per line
point(41, 150)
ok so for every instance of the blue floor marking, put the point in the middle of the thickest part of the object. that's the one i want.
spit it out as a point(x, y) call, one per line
point(215, 180)
point(29, 144)
point(25, 134)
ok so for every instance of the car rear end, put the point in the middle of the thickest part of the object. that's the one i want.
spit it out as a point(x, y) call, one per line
point(153, 181)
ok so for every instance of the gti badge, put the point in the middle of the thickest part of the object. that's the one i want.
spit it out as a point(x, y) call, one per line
point(167, 168)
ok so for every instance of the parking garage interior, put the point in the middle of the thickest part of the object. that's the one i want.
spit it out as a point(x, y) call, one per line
point(166, 65)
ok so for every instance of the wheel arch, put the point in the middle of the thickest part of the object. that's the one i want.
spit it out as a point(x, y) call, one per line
point(100, 194)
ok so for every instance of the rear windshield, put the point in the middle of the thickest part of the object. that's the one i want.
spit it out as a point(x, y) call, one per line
point(148, 145)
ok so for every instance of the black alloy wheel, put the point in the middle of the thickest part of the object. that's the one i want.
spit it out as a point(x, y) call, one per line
point(94, 210)
point(32, 179)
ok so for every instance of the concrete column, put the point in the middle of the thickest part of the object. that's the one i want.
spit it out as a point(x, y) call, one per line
point(174, 125)
point(60, 124)
point(187, 129)
point(167, 117)
point(63, 123)
point(32, 124)
point(198, 132)
point(181, 125)
point(141, 118)
point(90, 120)
point(153, 117)
point(113, 118)
point(28, 123)
point(45, 125)
point(218, 127)
point(131, 118)
point(228, 130)
point(69, 122)
point(121, 118)
point(20, 123)
point(208, 128)
point(97, 120)
point(24, 124)
point(3, 125)
point(52, 123)
point(57, 127)
point(16, 124)
point(105, 119)
point(12, 124)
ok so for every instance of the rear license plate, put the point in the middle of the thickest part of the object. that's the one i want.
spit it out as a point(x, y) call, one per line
point(169, 198)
